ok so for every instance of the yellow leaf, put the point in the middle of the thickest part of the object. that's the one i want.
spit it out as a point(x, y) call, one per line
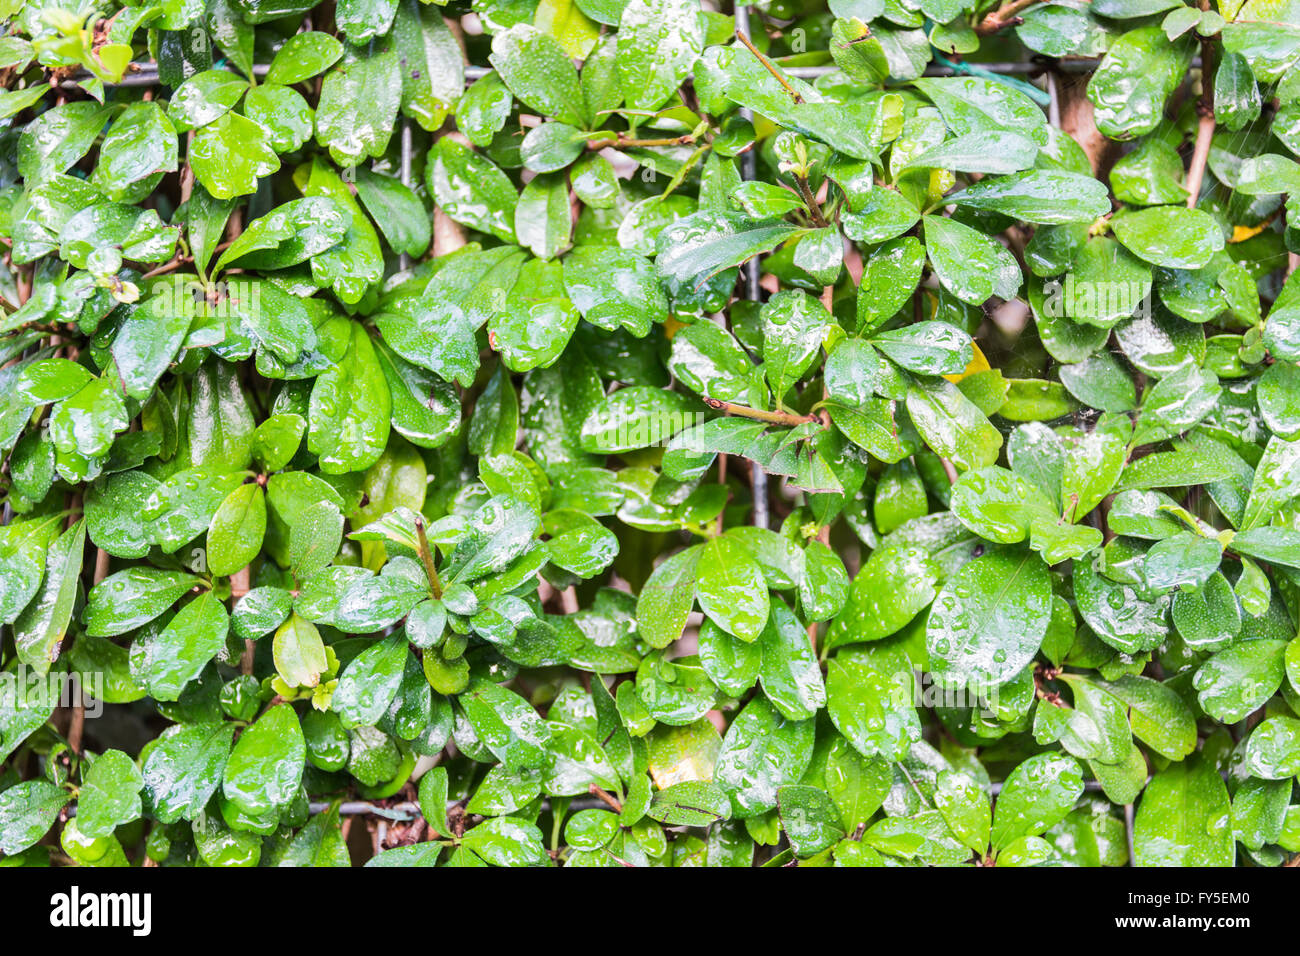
point(977, 364)
point(1242, 233)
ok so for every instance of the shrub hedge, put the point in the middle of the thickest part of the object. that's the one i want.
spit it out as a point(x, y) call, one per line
point(628, 432)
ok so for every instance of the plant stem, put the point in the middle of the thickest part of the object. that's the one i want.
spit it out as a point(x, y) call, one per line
point(1003, 16)
point(426, 556)
point(1205, 123)
point(759, 414)
point(621, 142)
point(770, 67)
point(608, 798)
point(809, 200)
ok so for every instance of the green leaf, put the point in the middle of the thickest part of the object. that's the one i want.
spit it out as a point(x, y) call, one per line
point(697, 247)
point(314, 538)
point(709, 361)
point(130, 598)
point(1278, 395)
point(110, 794)
point(636, 417)
point(998, 504)
point(1277, 480)
point(1158, 716)
point(291, 233)
point(579, 763)
point(1039, 195)
point(951, 425)
point(265, 767)
point(965, 808)
point(697, 803)
point(58, 138)
point(1140, 71)
point(761, 752)
point(731, 663)
point(283, 112)
point(303, 56)
point(1036, 796)
point(970, 264)
point(1183, 561)
point(1235, 682)
point(613, 288)
point(40, 628)
point(183, 769)
point(27, 811)
point(507, 725)
point(889, 280)
point(299, 653)
point(1273, 750)
point(1171, 236)
point(321, 843)
point(893, 586)
point(141, 142)
point(236, 530)
point(505, 841)
point(979, 152)
point(658, 41)
point(972, 104)
point(928, 348)
point(484, 109)
point(539, 72)
point(470, 189)
point(989, 620)
point(1116, 612)
point(204, 98)
point(534, 334)
point(789, 673)
point(794, 325)
point(730, 589)
point(348, 419)
point(431, 63)
point(870, 699)
point(433, 799)
point(165, 662)
point(358, 107)
point(809, 818)
point(369, 683)
point(230, 155)
point(883, 215)
point(1184, 818)
point(923, 836)
point(1275, 545)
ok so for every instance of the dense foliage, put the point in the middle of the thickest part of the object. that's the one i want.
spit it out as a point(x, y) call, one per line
point(677, 454)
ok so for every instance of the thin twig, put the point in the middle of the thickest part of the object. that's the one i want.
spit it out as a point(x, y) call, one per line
point(426, 557)
point(1205, 122)
point(759, 414)
point(187, 172)
point(621, 142)
point(239, 586)
point(770, 67)
point(809, 200)
point(608, 798)
point(1004, 16)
